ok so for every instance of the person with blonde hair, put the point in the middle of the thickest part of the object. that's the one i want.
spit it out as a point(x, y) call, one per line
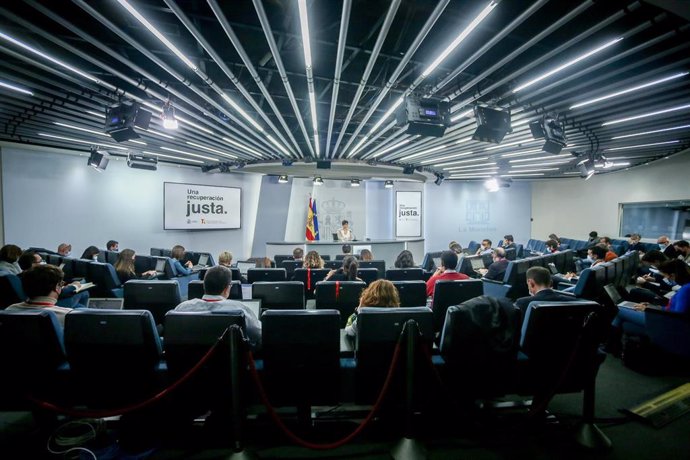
point(312, 260)
point(225, 258)
point(124, 267)
point(379, 294)
point(366, 255)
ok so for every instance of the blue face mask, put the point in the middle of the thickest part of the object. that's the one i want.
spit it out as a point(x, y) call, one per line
point(589, 259)
point(663, 246)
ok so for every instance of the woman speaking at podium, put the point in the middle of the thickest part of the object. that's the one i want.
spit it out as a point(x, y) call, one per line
point(344, 232)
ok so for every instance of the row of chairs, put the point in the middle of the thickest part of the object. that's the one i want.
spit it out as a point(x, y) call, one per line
point(619, 272)
point(192, 256)
point(112, 358)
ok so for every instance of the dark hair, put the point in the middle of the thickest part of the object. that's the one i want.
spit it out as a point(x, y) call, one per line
point(350, 268)
point(488, 241)
point(555, 237)
point(177, 252)
point(90, 252)
point(593, 234)
point(10, 253)
point(605, 239)
point(110, 244)
point(552, 244)
point(366, 254)
point(678, 268)
point(41, 280)
point(635, 236)
point(540, 275)
point(654, 256)
point(449, 260)
point(599, 251)
point(217, 279)
point(26, 260)
point(344, 222)
point(404, 260)
point(297, 253)
point(509, 238)
point(347, 248)
point(682, 244)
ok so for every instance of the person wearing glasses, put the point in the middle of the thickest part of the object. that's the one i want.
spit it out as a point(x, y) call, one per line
point(42, 284)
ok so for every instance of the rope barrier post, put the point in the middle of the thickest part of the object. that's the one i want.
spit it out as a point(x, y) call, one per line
point(409, 448)
point(235, 339)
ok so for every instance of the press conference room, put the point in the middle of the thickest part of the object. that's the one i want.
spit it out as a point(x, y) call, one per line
point(344, 229)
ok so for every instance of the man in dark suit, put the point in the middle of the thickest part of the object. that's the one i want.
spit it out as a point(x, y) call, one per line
point(498, 268)
point(666, 247)
point(539, 284)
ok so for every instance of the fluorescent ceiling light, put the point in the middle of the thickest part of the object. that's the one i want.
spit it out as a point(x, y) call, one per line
point(137, 142)
point(194, 144)
point(392, 147)
point(190, 123)
point(304, 23)
point(157, 34)
point(651, 132)
point(79, 141)
point(447, 157)
point(316, 144)
point(424, 152)
point(546, 163)
point(469, 176)
point(522, 175)
point(454, 44)
point(520, 171)
point(519, 154)
point(190, 154)
point(468, 160)
point(15, 88)
point(628, 90)
point(77, 128)
point(276, 143)
point(645, 115)
point(464, 114)
point(640, 146)
point(523, 141)
point(358, 146)
point(241, 111)
point(550, 157)
point(240, 146)
point(152, 106)
point(388, 113)
point(173, 157)
point(51, 59)
point(152, 131)
point(482, 165)
point(567, 64)
point(611, 164)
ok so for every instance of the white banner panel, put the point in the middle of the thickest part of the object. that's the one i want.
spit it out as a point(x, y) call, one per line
point(408, 214)
point(201, 207)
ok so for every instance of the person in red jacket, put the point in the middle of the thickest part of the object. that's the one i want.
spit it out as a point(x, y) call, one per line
point(449, 261)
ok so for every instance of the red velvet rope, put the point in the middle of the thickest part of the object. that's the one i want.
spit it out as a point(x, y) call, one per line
point(310, 445)
point(136, 406)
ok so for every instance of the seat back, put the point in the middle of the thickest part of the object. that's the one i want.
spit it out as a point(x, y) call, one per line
point(341, 257)
point(511, 253)
point(143, 263)
point(447, 293)
point(53, 259)
point(279, 258)
point(301, 351)
point(81, 269)
point(472, 247)
point(412, 293)
point(110, 257)
point(11, 290)
point(195, 290)
point(368, 275)
point(114, 355)
point(156, 252)
point(279, 295)
point(266, 274)
point(670, 331)
point(479, 344)
point(332, 264)
point(107, 282)
point(309, 277)
point(379, 265)
point(428, 261)
point(342, 296)
point(290, 266)
point(402, 274)
point(156, 296)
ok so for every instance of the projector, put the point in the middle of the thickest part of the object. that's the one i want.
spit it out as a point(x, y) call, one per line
point(122, 118)
point(424, 117)
point(142, 162)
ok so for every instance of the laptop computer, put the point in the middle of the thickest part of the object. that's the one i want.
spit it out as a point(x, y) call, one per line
point(618, 301)
point(203, 263)
point(437, 262)
point(160, 267)
point(552, 267)
point(105, 303)
point(477, 263)
point(244, 266)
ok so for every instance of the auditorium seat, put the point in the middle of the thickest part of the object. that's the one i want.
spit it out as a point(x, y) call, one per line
point(368, 275)
point(81, 269)
point(11, 290)
point(402, 274)
point(107, 283)
point(110, 257)
point(332, 264)
point(670, 332)
point(340, 257)
point(301, 356)
point(157, 252)
point(309, 277)
point(380, 265)
point(195, 290)
point(290, 266)
point(279, 258)
point(342, 296)
point(115, 356)
point(156, 296)
point(511, 254)
point(144, 263)
point(412, 293)
point(472, 247)
point(279, 295)
point(266, 274)
point(53, 259)
point(452, 292)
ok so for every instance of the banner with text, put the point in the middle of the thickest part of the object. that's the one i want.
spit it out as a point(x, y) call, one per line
point(408, 214)
point(201, 207)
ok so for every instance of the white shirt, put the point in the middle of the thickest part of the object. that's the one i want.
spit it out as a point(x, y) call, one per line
point(343, 236)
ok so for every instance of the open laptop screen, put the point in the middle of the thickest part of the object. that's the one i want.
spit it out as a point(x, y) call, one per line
point(244, 266)
point(203, 259)
point(477, 263)
point(105, 303)
point(160, 265)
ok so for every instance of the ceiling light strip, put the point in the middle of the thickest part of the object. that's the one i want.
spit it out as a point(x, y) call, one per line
point(645, 115)
point(651, 132)
point(169, 149)
point(641, 146)
point(79, 141)
point(15, 88)
point(172, 157)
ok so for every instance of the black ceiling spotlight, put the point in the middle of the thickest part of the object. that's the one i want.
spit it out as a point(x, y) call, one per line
point(586, 168)
point(318, 180)
point(493, 123)
point(424, 117)
point(439, 179)
point(287, 163)
point(355, 183)
point(208, 168)
point(98, 159)
point(138, 161)
point(283, 179)
point(409, 169)
point(551, 129)
point(122, 118)
point(388, 184)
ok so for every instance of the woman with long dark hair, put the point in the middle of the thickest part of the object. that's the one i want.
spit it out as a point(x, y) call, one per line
point(124, 266)
point(348, 272)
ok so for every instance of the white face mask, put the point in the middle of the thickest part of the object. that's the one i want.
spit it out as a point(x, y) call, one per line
point(663, 246)
point(95, 258)
point(67, 254)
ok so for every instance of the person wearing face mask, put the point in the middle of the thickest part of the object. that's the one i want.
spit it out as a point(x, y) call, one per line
point(666, 247)
point(42, 285)
point(683, 250)
point(91, 253)
point(9, 254)
point(65, 249)
point(552, 246)
point(634, 243)
point(484, 247)
point(539, 284)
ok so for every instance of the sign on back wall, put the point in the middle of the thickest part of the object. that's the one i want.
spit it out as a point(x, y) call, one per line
point(201, 207)
point(408, 214)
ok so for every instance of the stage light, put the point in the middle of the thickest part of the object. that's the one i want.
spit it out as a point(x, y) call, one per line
point(137, 161)
point(98, 160)
point(287, 163)
point(388, 184)
point(122, 118)
point(586, 168)
point(491, 185)
point(168, 116)
point(318, 180)
point(354, 183)
point(439, 179)
point(283, 179)
point(408, 170)
point(492, 124)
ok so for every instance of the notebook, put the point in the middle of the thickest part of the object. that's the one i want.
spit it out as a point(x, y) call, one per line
point(105, 303)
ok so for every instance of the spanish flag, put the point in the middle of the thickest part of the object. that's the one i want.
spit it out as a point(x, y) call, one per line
point(312, 222)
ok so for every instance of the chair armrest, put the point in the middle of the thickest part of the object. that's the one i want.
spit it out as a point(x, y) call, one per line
point(570, 294)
